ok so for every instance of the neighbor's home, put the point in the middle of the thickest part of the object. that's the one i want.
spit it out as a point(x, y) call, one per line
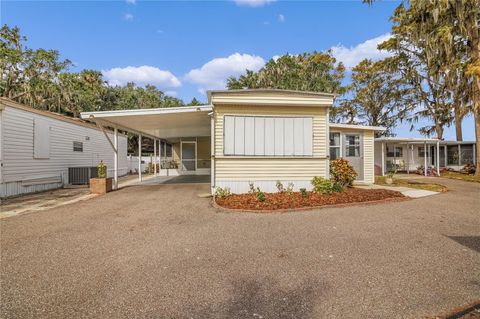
point(404, 154)
point(42, 150)
point(251, 136)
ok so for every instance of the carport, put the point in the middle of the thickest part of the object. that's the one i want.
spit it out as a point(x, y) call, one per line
point(182, 126)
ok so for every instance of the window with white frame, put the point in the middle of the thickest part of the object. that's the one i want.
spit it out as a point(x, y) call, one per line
point(267, 136)
point(394, 151)
point(334, 145)
point(352, 145)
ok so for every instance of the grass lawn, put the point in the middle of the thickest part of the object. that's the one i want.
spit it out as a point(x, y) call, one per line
point(380, 180)
point(461, 176)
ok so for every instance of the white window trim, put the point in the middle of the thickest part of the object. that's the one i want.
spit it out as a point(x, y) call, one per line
point(341, 144)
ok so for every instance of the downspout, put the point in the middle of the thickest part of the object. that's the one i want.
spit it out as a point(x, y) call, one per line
point(327, 144)
point(212, 151)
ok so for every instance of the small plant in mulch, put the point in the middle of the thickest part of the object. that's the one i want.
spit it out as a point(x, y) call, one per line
point(289, 189)
point(279, 186)
point(260, 196)
point(342, 172)
point(222, 192)
point(468, 169)
point(325, 186)
point(303, 192)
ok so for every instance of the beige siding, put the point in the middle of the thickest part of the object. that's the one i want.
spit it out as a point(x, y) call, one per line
point(368, 157)
point(236, 171)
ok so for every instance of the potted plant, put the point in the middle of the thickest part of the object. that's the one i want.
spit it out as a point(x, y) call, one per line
point(389, 178)
point(101, 184)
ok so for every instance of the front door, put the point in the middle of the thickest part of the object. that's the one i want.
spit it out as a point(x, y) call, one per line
point(188, 153)
point(353, 152)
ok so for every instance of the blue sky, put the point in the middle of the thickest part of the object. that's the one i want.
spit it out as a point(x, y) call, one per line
point(187, 47)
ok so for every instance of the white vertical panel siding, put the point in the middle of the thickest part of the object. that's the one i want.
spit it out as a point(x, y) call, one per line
point(307, 136)
point(279, 136)
point(250, 136)
point(260, 134)
point(20, 167)
point(269, 132)
point(239, 136)
point(230, 133)
point(288, 137)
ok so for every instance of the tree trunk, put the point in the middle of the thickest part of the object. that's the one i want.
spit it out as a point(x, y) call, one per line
point(475, 49)
point(439, 130)
point(458, 122)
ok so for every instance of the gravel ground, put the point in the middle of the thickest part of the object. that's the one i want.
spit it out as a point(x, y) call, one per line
point(159, 251)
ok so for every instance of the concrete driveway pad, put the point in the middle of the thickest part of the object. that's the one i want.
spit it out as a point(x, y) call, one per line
point(159, 251)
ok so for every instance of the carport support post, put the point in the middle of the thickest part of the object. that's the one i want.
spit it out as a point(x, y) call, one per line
point(154, 157)
point(438, 158)
point(139, 157)
point(115, 158)
point(408, 158)
point(425, 158)
point(383, 158)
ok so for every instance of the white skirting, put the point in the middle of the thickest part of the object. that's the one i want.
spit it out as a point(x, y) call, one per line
point(269, 186)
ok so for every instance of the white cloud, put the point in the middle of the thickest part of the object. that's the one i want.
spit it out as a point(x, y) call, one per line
point(214, 73)
point(131, 1)
point(366, 50)
point(253, 3)
point(128, 16)
point(142, 76)
point(281, 18)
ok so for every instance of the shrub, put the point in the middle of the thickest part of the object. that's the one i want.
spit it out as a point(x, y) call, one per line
point(222, 192)
point(304, 193)
point(252, 189)
point(260, 196)
point(342, 172)
point(322, 185)
point(280, 187)
point(337, 188)
point(469, 169)
point(102, 170)
point(289, 189)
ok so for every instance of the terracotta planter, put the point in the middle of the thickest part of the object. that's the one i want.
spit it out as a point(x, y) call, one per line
point(100, 185)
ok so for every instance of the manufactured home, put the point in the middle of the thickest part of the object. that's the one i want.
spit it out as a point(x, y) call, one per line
point(251, 136)
point(38, 149)
point(408, 154)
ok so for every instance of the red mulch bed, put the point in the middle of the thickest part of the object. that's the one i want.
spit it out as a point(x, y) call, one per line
point(279, 201)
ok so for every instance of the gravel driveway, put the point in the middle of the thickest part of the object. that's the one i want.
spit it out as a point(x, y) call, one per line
point(159, 251)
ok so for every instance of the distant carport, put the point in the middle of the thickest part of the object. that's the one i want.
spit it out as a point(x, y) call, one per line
point(157, 124)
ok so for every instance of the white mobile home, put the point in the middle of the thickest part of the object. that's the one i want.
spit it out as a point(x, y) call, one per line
point(37, 148)
point(258, 136)
point(407, 154)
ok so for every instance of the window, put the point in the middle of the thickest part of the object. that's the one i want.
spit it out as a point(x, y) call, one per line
point(267, 136)
point(352, 145)
point(77, 146)
point(394, 151)
point(41, 139)
point(466, 154)
point(334, 146)
point(452, 155)
point(421, 151)
point(168, 149)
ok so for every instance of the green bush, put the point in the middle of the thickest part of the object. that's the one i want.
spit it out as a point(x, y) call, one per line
point(337, 188)
point(260, 195)
point(325, 186)
point(342, 172)
point(304, 193)
point(222, 192)
point(102, 170)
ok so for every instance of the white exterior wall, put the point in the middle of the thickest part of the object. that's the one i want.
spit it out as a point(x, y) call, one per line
point(21, 173)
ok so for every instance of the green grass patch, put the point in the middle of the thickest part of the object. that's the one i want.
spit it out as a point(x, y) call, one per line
point(380, 180)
